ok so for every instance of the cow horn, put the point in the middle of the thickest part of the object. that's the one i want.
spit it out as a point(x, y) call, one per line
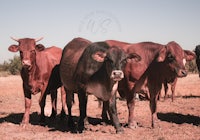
point(15, 39)
point(38, 39)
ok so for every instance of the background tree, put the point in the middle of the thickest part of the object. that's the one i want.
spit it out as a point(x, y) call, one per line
point(13, 66)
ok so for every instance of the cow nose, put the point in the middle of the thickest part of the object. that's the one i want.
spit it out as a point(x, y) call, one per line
point(184, 72)
point(26, 63)
point(117, 75)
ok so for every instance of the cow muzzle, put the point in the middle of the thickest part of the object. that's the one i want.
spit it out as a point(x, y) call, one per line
point(26, 64)
point(181, 73)
point(117, 75)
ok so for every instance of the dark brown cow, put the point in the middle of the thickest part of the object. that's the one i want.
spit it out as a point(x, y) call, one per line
point(197, 52)
point(37, 65)
point(153, 57)
point(93, 68)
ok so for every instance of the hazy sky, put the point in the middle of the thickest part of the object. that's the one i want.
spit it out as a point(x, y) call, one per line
point(59, 21)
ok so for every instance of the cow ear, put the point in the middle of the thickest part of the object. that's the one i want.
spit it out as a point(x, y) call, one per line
point(189, 55)
point(13, 48)
point(99, 56)
point(162, 55)
point(39, 47)
point(134, 56)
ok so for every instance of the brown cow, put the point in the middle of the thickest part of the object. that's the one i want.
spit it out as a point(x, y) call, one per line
point(153, 57)
point(37, 65)
point(171, 77)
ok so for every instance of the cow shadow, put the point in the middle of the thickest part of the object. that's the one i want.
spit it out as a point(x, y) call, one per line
point(16, 118)
point(179, 118)
point(59, 123)
point(190, 96)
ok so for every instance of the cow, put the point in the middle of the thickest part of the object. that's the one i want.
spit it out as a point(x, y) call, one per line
point(93, 68)
point(38, 63)
point(197, 52)
point(171, 77)
point(154, 56)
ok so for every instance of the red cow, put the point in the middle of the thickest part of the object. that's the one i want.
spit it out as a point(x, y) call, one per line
point(153, 57)
point(93, 68)
point(171, 77)
point(37, 65)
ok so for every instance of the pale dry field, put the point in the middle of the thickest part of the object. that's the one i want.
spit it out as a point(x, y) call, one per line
point(178, 120)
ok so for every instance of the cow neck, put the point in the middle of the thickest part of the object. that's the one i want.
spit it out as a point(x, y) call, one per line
point(31, 74)
point(105, 78)
point(153, 53)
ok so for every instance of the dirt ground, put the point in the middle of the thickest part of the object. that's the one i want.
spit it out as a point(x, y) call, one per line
point(177, 120)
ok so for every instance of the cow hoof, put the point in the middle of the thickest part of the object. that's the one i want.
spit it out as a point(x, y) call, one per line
point(53, 115)
point(133, 125)
point(24, 125)
point(120, 131)
point(63, 114)
point(71, 124)
point(80, 129)
point(156, 124)
point(86, 121)
point(42, 121)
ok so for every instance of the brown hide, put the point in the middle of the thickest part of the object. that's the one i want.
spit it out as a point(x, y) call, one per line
point(37, 65)
point(154, 58)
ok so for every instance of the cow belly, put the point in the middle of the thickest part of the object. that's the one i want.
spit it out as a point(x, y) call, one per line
point(98, 90)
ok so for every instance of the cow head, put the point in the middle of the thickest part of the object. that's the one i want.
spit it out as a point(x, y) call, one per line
point(176, 58)
point(114, 60)
point(27, 48)
point(98, 56)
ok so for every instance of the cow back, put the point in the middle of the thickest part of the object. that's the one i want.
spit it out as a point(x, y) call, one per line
point(70, 57)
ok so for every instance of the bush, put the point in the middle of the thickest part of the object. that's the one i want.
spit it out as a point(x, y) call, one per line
point(13, 66)
point(191, 66)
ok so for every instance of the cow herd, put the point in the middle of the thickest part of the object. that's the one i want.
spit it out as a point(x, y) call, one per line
point(102, 69)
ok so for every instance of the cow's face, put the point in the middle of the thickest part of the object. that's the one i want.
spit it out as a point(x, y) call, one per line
point(176, 58)
point(27, 48)
point(115, 60)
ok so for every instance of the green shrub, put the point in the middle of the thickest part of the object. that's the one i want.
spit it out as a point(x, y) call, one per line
point(13, 66)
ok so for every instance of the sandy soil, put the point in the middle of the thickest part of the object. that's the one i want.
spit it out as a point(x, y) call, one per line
point(177, 120)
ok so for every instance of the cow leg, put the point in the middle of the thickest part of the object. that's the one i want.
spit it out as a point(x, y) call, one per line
point(82, 107)
point(54, 103)
point(42, 102)
point(69, 106)
point(113, 113)
point(153, 102)
point(173, 86)
point(166, 89)
point(63, 101)
point(26, 116)
point(105, 110)
point(131, 104)
point(153, 106)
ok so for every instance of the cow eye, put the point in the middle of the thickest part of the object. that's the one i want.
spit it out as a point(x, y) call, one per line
point(124, 61)
point(171, 58)
point(21, 53)
point(108, 59)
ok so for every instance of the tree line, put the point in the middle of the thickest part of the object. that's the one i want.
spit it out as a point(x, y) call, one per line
point(13, 66)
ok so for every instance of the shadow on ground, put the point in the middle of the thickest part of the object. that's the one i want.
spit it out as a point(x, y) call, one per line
point(179, 118)
point(57, 124)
